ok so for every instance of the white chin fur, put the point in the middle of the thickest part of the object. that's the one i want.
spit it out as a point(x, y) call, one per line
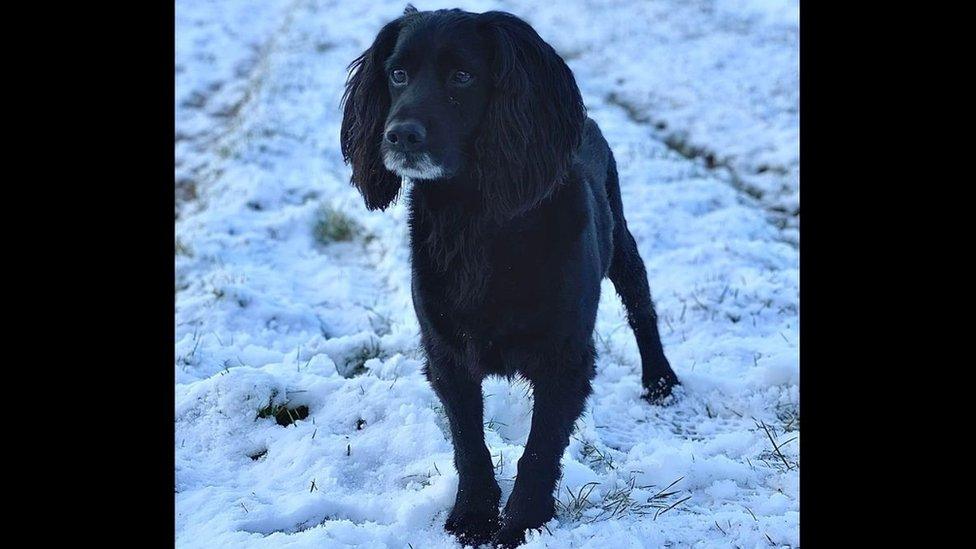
point(422, 169)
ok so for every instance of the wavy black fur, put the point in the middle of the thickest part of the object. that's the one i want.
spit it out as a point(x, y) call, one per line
point(510, 238)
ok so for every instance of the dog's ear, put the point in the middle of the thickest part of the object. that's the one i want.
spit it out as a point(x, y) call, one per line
point(534, 121)
point(409, 9)
point(366, 103)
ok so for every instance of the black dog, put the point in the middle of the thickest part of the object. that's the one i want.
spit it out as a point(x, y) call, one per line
point(515, 218)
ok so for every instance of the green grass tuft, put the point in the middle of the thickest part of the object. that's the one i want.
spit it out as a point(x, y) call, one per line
point(332, 225)
point(283, 415)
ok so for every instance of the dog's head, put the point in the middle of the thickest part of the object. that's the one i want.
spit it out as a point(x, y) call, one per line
point(448, 96)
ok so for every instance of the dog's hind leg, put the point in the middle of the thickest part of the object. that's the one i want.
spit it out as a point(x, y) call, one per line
point(630, 279)
point(474, 518)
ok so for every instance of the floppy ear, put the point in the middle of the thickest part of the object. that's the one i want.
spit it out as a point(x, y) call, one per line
point(366, 103)
point(534, 121)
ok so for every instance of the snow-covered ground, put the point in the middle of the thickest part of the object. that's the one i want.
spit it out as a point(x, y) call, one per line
point(291, 297)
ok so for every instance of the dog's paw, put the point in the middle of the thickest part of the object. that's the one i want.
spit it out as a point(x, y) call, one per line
point(472, 526)
point(661, 392)
point(508, 537)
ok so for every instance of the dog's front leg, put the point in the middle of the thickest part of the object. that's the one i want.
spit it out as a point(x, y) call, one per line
point(559, 399)
point(474, 517)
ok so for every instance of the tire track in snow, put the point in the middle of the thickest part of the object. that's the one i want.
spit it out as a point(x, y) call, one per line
point(209, 130)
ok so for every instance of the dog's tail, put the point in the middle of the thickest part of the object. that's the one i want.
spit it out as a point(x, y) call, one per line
point(630, 279)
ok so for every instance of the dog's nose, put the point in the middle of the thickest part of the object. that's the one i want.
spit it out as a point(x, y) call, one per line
point(406, 136)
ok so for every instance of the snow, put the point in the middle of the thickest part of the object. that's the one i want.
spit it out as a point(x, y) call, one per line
point(269, 316)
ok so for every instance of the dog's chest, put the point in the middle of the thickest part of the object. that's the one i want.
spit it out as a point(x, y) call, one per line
point(488, 282)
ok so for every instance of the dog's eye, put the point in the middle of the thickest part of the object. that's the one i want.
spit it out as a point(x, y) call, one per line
point(399, 77)
point(461, 77)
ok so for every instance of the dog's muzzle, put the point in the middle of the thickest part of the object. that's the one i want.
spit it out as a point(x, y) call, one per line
point(414, 166)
